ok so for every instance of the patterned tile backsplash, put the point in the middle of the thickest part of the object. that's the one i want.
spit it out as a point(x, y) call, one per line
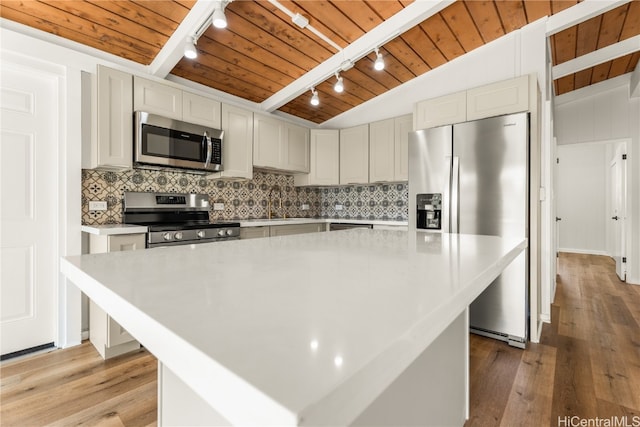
point(245, 199)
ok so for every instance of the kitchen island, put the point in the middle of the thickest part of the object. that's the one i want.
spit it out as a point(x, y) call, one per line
point(352, 327)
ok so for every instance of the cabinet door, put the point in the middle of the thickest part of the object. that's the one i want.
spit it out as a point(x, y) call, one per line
point(324, 159)
point(200, 110)
point(287, 230)
point(505, 97)
point(237, 149)
point(126, 242)
point(254, 232)
point(114, 118)
point(267, 142)
point(354, 155)
point(444, 110)
point(157, 98)
point(296, 148)
point(402, 127)
point(381, 151)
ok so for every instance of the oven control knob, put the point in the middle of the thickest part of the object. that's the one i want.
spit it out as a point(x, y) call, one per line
point(201, 234)
point(178, 236)
point(221, 233)
point(229, 232)
point(167, 236)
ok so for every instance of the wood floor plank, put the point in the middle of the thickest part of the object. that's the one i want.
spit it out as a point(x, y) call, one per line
point(531, 396)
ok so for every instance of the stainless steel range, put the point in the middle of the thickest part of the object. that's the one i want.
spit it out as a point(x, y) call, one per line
point(176, 219)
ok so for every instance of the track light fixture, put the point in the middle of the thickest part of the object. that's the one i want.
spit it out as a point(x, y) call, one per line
point(339, 86)
point(190, 48)
point(379, 63)
point(218, 19)
point(315, 100)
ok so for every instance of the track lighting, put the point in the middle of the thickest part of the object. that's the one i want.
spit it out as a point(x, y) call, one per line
point(190, 48)
point(315, 100)
point(339, 86)
point(218, 19)
point(379, 64)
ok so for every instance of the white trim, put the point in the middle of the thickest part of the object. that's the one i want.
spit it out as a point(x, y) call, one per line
point(579, 13)
point(407, 18)
point(593, 90)
point(599, 56)
point(634, 83)
point(545, 318)
point(172, 51)
point(583, 251)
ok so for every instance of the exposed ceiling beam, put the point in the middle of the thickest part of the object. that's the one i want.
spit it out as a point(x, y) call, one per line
point(596, 57)
point(579, 13)
point(173, 50)
point(402, 21)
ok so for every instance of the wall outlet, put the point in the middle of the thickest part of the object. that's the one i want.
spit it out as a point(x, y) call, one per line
point(218, 206)
point(339, 207)
point(305, 206)
point(97, 206)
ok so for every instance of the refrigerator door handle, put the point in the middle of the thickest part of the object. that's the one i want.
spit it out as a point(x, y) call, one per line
point(446, 199)
point(455, 190)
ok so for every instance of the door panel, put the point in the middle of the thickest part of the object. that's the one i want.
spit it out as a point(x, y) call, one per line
point(28, 181)
point(429, 168)
point(618, 193)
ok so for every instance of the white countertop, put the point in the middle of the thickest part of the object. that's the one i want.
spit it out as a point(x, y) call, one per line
point(309, 327)
point(111, 229)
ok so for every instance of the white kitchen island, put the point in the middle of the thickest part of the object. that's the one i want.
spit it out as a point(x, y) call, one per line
point(352, 327)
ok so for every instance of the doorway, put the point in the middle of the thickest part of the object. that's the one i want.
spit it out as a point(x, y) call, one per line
point(592, 199)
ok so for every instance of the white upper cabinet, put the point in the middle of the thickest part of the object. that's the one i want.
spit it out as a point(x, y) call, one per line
point(324, 163)
point(296, 148)
point(280, 145)
point(505, 97)
point(201, 111)
point(382, 151)
point(354, 155)
point(444, 110)
point(237, 150)
point(157, 98)
point(495, 99)
point(107, 119)
point(402, 126)
point(267, 142)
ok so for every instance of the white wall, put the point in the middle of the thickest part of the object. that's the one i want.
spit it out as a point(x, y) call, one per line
point(606, 112)
point(581, 198)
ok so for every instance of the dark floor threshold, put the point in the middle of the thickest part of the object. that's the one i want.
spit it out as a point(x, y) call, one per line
point(25, 351)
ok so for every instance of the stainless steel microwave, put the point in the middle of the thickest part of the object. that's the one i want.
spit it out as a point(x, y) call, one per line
point(161, 142)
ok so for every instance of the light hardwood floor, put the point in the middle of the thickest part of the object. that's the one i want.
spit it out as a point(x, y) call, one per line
point(587, 365)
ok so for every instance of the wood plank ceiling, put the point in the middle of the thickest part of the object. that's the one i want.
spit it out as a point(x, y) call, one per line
point(261, 51)
point(601, 31)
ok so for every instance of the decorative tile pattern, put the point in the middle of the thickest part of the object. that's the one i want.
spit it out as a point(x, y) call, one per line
point(245, 199)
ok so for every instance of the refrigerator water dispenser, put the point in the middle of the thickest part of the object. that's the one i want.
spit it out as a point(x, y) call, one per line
point(429, 211)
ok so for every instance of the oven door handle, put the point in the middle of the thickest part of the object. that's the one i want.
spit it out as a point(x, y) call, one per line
point(209, 149)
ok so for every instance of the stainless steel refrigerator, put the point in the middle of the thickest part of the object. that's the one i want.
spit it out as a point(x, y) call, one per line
point(473, 178)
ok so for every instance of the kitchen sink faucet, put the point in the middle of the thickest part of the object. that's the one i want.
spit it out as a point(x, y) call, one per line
point(271, 207)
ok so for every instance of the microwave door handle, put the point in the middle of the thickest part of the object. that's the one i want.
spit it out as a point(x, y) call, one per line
point(209, 149)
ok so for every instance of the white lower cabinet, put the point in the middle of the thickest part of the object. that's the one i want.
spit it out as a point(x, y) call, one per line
point(254, 232)
point(106, 335)
point(281, 230)
point(287, 230)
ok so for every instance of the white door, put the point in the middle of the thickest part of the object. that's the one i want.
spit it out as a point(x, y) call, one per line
point(28, 210)
point(618, 174)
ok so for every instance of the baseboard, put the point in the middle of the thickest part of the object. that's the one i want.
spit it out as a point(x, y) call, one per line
point(85, 335)
point(545, 318)
point(583, 251)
